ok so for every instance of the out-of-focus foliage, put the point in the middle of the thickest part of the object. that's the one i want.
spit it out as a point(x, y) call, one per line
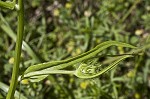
point(57, 29)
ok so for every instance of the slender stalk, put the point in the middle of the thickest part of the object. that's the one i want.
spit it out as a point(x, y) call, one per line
point(19, 40)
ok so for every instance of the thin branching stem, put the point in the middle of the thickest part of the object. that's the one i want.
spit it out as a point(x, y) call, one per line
point(19, 40)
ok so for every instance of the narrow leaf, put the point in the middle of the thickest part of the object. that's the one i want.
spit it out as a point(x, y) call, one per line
point(54, 65)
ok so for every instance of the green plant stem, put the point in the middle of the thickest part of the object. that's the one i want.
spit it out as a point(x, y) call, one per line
point(15, 73)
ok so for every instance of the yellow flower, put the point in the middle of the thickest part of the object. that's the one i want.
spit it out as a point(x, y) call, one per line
point(84, 85)
point(130, 74)
point(25, 81)
point(47, 82)
point(77, 52)
point(139, 31)
point(11, 60)
point(56, 12)
point(70, 46)
point(137, 96)
point(68, 5)
point(148, 8)
point(87, 13)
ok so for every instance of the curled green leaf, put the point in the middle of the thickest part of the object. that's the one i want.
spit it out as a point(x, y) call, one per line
point(55, 65)
point(89, 71)
point(83, 71)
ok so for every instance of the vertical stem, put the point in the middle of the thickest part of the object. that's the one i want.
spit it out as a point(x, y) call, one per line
point(15, 72)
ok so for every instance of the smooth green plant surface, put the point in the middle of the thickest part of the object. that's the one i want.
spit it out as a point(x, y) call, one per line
point(15, 73)
point(79, 58)
point(53, 67)
point(56, 30)
point(36, 71)
point(83, 71)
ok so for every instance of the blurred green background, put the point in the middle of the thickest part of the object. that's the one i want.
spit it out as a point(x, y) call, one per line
point(58, 29)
